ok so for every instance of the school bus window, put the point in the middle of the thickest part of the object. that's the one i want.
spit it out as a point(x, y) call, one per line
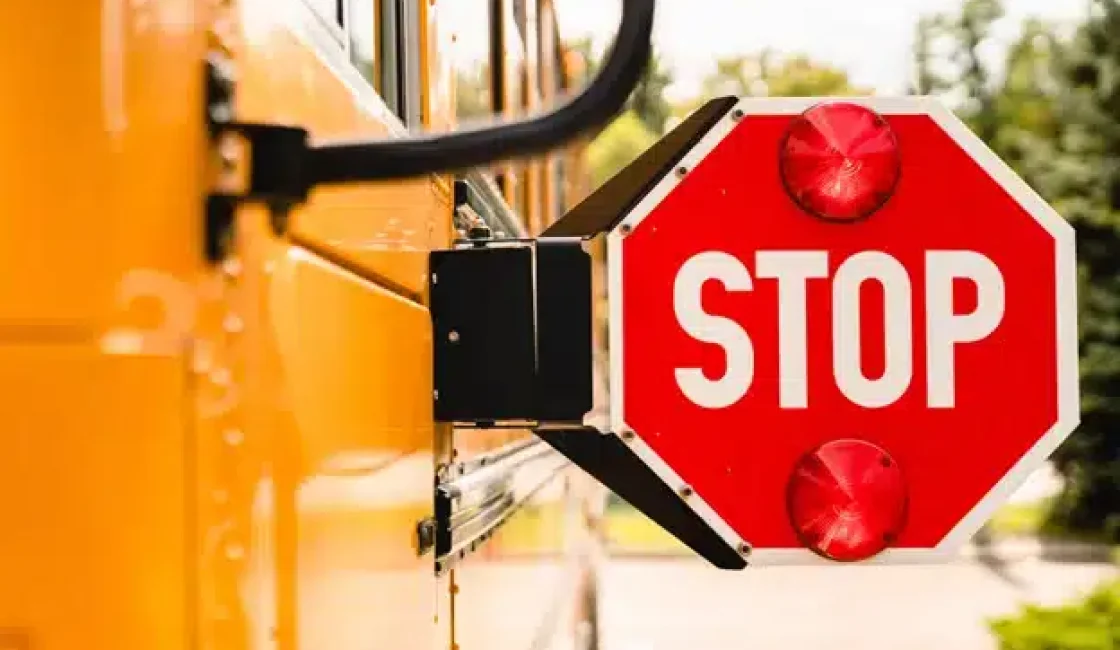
point(398, 70)
point(329, 11)
point(474, 66)
point(362, 32)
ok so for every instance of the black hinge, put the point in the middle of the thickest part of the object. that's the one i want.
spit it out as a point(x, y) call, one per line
point(425, 535)
point(275, 156)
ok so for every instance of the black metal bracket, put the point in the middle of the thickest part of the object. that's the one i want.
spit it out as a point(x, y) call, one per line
point(612, 463)
point(512, 325)
point(277, 162)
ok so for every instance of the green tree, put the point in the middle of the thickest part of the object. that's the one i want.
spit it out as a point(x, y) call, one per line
point(1079, 170)
point(648, 99)
point(1054, 115)
point(927, 80)
point(472, 92)
point(617, 146)
point(770, 75)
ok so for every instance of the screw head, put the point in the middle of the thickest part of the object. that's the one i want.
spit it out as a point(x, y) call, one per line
point(744, 549)
point(453, 336)
point(737, 114)
point(685, 491)
point(681, 171)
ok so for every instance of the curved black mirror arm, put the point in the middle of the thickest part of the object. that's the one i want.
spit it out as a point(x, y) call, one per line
point(601, 100)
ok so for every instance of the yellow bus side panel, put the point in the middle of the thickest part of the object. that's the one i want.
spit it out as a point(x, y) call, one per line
point(95, 549)
point(356, 361)
point(293, 73)
point(100, 172)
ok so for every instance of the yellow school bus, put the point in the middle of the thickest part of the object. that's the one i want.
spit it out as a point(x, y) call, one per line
point(216, 379)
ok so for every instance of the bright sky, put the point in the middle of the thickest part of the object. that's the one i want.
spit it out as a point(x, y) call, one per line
point(871, 39)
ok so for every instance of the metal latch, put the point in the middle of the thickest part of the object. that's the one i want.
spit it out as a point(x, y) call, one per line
point(425, 536)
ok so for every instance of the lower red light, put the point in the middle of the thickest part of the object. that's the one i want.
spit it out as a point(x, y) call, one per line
point(840, 161)
point(847, 500)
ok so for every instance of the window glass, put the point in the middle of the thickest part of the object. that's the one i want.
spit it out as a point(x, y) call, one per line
point(329, 10)
point(362, 31)
point(473, 64)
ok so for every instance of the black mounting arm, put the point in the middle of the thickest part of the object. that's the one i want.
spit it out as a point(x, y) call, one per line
point(513, 346)
point(601, 100)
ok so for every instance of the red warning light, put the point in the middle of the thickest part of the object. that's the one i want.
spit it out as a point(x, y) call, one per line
point(847, 500)
point(840, 161)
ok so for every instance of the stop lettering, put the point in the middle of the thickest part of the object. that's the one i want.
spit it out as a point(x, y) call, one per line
point(843, 330)
point(792, 271)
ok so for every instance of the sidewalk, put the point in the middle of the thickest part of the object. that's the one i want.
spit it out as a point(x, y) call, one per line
point(683, 604)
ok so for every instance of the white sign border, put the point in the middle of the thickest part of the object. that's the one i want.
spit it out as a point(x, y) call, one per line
point(1069, 412)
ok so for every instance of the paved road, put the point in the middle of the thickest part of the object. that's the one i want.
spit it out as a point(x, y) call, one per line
point(683, 604)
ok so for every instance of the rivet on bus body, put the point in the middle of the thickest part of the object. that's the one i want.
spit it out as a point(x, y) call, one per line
point(233, 437)
point(231, 267)
point(233, 324)
point(220, 377)
point(235, 551)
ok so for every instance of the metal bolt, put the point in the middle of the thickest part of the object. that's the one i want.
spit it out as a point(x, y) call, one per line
point(235, 551)
point(737, 114)
point(627, 435)
point(233, 323)
point(220, 376)
point(745, 549)
point(453, 336)
point(231, 267)
point(233, 437)
point(681, 171)
point(685, 492)
point(626, 229)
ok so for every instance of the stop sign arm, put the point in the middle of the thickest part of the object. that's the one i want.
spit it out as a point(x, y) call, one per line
point(601, 211)
point(513, 346)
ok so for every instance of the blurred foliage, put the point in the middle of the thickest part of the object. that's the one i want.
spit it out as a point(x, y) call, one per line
point(769, 75)
point(616, 146)
point(472, 92)
point(1054, 115)
point(649, 110)
point(648, 100)
point(1092, 623)
point(1020, 519)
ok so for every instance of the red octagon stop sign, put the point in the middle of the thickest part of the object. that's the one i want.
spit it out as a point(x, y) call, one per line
point(843, 327)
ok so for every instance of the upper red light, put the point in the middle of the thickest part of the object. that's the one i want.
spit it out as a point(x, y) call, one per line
point(847, 500)
point(840, 161)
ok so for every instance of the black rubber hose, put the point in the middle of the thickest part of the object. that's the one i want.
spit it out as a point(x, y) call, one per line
point(597, 104)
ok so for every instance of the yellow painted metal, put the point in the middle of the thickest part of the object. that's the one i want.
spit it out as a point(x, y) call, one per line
point(291, 72)
point(101, 179)
point(344, 354)
point(226, 456)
